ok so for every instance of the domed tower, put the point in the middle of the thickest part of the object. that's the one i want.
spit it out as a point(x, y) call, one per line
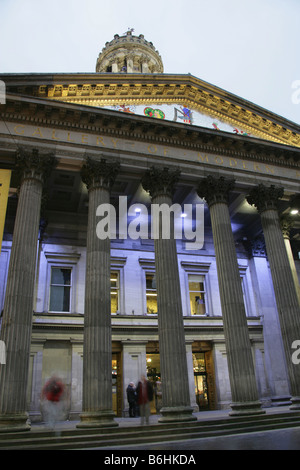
point(129, 54)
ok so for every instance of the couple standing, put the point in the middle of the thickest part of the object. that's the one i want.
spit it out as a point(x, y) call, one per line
point(142, 397)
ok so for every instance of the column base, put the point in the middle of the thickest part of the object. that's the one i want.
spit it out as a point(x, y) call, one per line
point(14, 422)
point(97, 419)
point(246, 408)
point(281, 400)
point(295, 403)
point(174, 414)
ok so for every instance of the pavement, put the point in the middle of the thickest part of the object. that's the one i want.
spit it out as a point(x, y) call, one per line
point(277, 439)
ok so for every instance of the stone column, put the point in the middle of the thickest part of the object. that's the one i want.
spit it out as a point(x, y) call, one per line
point(173, 358)
point(286, 223)
point(18, 307)
point(238, 347)
point(97, 350)
point(274, 352)
point(266, 200)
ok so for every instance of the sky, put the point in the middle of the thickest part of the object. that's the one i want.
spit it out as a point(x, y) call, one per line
point(250, 48)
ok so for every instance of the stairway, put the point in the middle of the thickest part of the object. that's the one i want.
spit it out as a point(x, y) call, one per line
point(135, 435)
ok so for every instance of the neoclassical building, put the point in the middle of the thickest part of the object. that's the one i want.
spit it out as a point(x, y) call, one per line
point(213, 324)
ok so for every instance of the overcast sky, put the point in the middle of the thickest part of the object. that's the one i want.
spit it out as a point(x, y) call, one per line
point(250, 48)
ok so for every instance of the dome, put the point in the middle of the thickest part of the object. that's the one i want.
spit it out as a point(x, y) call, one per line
point(129, 54)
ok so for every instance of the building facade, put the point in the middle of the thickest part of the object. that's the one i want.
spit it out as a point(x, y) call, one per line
point(213, 324)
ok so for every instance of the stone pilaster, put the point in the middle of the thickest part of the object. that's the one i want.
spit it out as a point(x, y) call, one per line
point(238, 347)
point(173, 357)
point(97, 353)
point(266, 200)
point(18, 307)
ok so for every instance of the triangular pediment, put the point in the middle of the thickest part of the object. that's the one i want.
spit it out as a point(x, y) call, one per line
point(181, 98)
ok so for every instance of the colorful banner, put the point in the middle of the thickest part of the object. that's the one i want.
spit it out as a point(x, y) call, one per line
point(4, 190)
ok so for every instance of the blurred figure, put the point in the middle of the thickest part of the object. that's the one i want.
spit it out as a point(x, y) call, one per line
point(53, 401)
point(144, 395)
point(131, 398)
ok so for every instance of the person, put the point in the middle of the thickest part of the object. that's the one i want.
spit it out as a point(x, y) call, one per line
point(131, 397)
point(52, 396)
point(145, 396)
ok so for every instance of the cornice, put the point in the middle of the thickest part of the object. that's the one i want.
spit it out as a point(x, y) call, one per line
point(88, 119)
point(102, 89)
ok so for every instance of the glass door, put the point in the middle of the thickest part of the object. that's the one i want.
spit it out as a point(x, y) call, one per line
point(201, 391)
point(200, 378)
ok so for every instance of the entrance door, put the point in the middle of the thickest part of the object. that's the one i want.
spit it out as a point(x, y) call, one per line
point(201, 391)
point(201, 381)
point(116, 384)
point(153, 375)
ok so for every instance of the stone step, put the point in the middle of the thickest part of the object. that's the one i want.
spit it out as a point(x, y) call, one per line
point(134, 435)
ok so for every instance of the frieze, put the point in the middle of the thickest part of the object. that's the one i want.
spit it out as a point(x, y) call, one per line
point(213, 157)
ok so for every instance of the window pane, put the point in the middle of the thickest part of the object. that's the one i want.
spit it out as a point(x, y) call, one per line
point(196, 278)
point(196, 286)
point(151, 304)
point(60, 299)
point(114, 301)
point(197, 294)
point(150, 281)
point(151, 297)
point(197, 302)
point(114, 280)
point(61, 276)
point(114, 292)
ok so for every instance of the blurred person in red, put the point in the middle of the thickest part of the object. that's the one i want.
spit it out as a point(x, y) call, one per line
point(144, 395)
point(53, 400)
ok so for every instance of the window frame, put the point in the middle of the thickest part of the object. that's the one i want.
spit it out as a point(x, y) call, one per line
point(63, 261)
point(117, 264)
point(61, 285)
point(200, 292)
point(117, 288)
point(150, 291)
point(148, 267)
point(198, 269)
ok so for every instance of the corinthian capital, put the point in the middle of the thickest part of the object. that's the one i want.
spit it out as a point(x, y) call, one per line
point(286, 224)
point(99, 173)
point(160, 181)
point(265, 198)
point(215, 190)
point(33, 165)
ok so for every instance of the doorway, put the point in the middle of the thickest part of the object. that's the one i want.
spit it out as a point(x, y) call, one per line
point(117, 384)
point(204, 377)
point(153, 375)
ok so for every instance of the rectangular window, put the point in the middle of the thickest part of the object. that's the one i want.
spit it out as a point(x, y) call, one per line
point(114, 291)
point(151, 295)
point(60, 290)
point(197, 294)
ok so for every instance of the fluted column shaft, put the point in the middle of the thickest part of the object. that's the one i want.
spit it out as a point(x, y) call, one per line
point(18, 306)
point(238, 347)
point(286, 224)
point(173, 358)
point(97, 349)
point(266, 200)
